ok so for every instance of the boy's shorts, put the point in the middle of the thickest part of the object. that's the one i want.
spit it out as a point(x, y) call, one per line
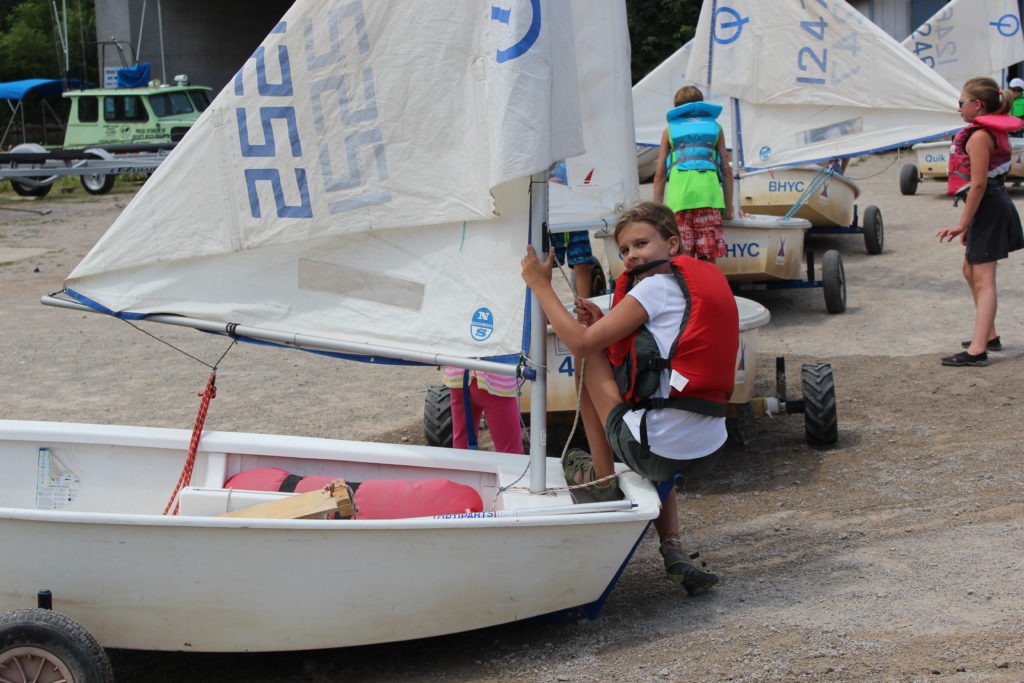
point(649, 465)
point(576, 243)
point(702, 233)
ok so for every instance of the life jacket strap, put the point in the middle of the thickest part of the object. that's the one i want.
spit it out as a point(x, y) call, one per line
point(701, 406)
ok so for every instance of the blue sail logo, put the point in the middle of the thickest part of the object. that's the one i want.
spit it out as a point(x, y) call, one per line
point(482, 326)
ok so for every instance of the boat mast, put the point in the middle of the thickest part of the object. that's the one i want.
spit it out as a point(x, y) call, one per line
point(538, 343)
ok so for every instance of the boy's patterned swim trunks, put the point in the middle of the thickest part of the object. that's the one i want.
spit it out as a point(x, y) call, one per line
point(702, 232)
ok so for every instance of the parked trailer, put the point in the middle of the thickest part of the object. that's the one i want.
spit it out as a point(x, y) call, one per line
point(32, 169)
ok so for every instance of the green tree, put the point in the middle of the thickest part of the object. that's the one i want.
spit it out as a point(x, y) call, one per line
point(29, 43)
point(657, 28)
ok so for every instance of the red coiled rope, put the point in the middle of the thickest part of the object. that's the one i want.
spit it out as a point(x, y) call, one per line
point(209, 393)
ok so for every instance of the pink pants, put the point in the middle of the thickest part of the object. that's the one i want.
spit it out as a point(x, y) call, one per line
point(502, 414)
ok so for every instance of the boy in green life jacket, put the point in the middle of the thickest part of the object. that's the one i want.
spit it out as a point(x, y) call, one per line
point(692, 176)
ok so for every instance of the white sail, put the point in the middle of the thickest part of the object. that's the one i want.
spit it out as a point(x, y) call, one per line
point(968, 38)
point(363, 178)
point(816, 80)
point(652, 98)
point(596, 186)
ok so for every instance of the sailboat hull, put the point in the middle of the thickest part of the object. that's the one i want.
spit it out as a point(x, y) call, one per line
point(196, 582)
point(775, 192)
point(933, 159)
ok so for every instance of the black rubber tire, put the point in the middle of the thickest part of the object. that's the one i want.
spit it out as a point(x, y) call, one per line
point(833, 279)
point(821, 424)
point(24, 190)
point(598, 281)
point(437, 417)
point(874, 231)
point(43, 638)
point(98, 183)
point(909, 178)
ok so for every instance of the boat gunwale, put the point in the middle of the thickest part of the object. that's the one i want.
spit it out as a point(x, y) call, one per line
point(504, 466)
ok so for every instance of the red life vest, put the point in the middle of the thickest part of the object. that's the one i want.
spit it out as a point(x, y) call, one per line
point(999, 162)
point(704, 351)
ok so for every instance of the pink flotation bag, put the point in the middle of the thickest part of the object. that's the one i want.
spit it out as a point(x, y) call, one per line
point(374, 499)
point(276, 479)
point(396, 498)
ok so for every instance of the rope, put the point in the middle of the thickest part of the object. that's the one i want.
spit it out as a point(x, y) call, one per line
point(812, 189)
point(208, 394)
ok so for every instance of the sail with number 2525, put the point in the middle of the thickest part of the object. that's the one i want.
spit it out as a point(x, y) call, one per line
point(363, 179)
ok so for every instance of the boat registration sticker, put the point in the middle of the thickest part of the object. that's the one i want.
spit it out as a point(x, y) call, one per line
point(56, 485)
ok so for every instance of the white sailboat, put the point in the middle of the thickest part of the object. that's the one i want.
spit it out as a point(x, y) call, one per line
point(809, 83)
point(964, 39)
point(329, 200)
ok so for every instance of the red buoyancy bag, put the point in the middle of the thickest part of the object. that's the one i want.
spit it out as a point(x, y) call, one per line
point(276, 479)
point(396, 498)
point(374, 499)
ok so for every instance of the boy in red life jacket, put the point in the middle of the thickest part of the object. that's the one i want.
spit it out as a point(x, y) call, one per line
point(989, 225)
point(658, 370)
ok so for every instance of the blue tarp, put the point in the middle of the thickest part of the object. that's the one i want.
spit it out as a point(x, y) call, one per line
point(134, 76)
point(44, 87)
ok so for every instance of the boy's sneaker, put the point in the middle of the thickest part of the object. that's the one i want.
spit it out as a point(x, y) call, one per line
point(680, 568)
point(993, 344)
point(964, 359)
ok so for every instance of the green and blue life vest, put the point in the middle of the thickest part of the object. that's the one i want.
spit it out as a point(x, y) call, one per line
point(693, 136)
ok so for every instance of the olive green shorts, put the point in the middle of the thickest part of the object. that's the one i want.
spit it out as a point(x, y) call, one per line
point(649, 465)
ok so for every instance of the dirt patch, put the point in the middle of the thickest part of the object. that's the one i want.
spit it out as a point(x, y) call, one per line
point(894, 556)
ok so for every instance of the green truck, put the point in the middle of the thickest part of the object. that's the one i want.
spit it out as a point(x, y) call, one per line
point(109, 131)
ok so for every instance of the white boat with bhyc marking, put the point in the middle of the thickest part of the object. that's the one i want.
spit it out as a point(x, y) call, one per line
point(809, 83)
point(329, 200)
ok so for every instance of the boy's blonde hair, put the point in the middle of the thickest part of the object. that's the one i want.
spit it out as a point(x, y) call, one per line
point(659, 216)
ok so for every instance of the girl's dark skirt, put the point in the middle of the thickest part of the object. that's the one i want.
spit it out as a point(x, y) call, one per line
point(995, 230)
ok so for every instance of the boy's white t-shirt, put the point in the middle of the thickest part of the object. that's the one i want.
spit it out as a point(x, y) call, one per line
point(674, 434)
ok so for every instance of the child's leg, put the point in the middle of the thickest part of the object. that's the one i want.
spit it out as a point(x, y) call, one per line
point(599, 395)
point(460, 437)
point(667, 522)
point(982, 278)
point(503, 420)
point(582, 280)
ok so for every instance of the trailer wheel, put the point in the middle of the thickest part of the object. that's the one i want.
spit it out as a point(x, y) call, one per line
point(25, 190)
point(437, 417)
point(820, 423)
point(833, 281)
point(98, 183)
point(874, 232)
point(598, 281)
point(909, 177)
point(30, 188)
point(45, 646)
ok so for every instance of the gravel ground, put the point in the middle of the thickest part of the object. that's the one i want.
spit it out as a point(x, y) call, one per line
point(894, 556)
